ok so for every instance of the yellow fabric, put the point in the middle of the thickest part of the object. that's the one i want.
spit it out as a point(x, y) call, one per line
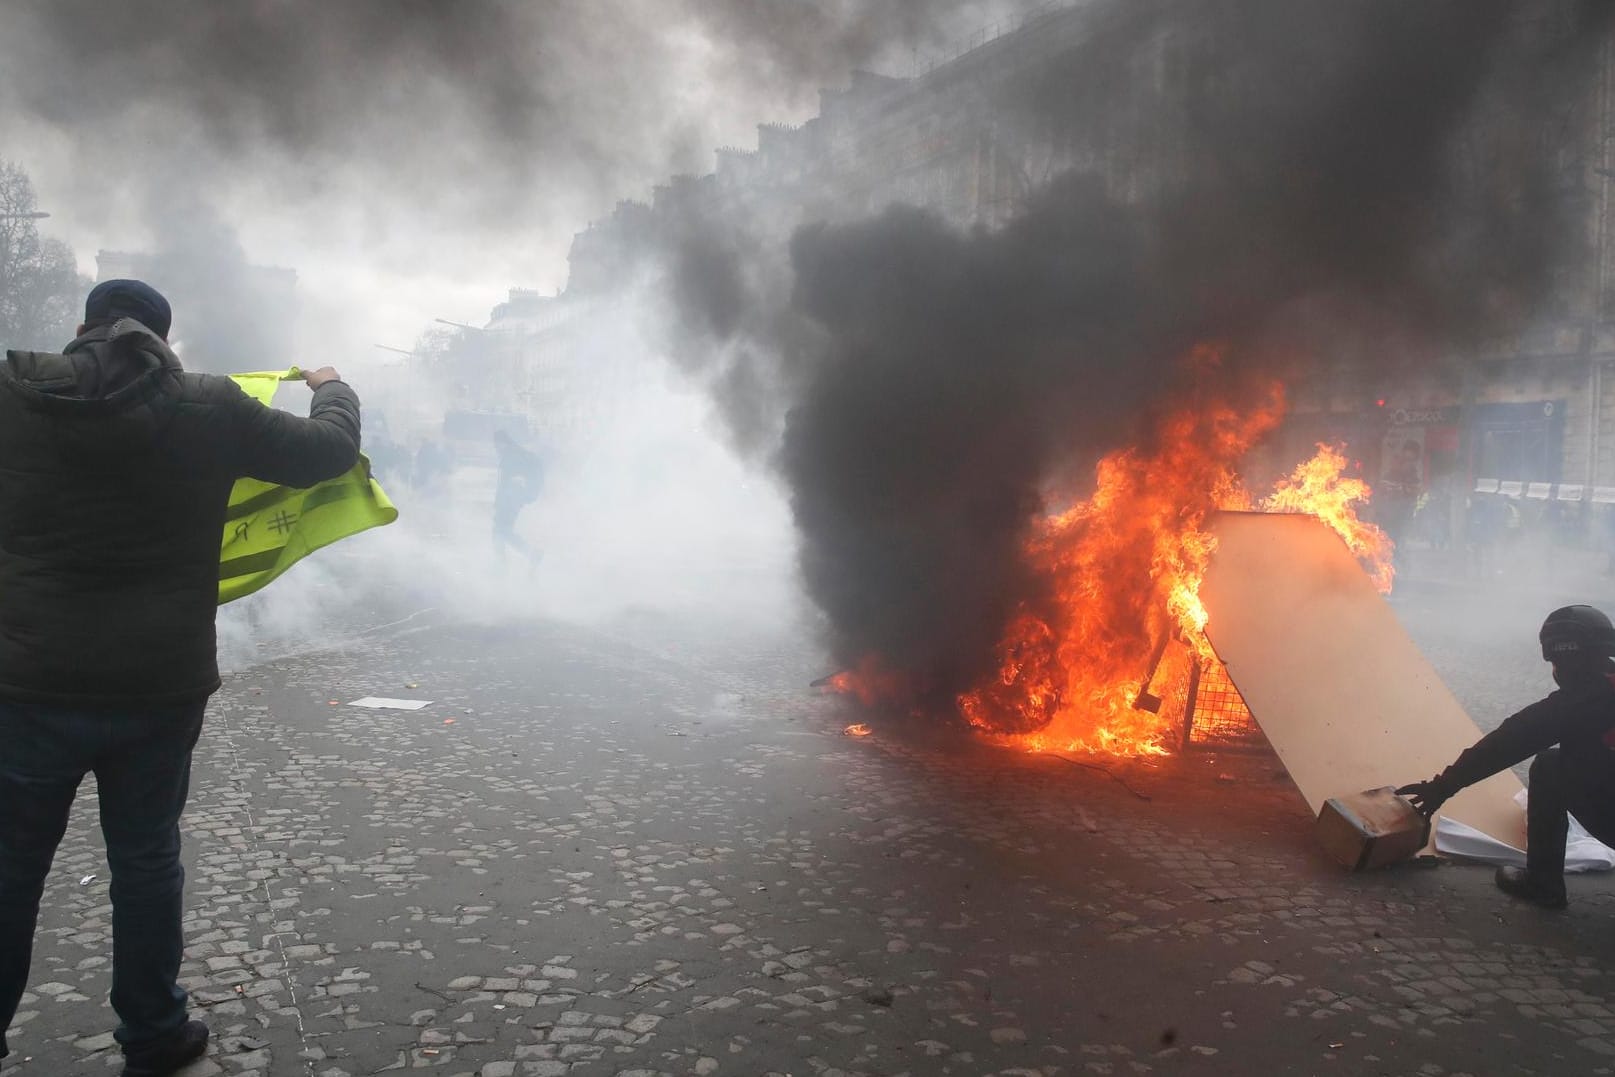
point(269, 528)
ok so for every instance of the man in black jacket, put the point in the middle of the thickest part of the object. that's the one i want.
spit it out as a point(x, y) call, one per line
point(1576, 778)
point(115, 470)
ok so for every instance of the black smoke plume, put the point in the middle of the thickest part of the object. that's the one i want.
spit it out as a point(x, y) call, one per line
point(411, 125)
point(465, 113)
point(1293, 179)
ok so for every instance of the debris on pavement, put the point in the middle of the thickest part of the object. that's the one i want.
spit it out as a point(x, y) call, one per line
point(878, 996)
point(386, 703)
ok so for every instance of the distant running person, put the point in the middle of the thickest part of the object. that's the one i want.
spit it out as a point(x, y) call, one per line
point(521, 473)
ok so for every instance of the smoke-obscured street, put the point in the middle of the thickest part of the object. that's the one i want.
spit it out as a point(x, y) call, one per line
point(807, 538)
point(653, 851)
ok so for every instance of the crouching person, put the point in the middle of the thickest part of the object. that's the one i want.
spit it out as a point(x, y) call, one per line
point(1572, 735)
point(115, 470)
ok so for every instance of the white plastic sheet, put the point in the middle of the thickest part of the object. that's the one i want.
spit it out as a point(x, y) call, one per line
point(1583, 852)
point(383, 702)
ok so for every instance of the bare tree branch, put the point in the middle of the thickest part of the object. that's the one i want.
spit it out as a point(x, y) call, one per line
point(40, 286)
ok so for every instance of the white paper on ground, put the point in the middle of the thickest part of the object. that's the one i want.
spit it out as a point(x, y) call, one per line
point(1583, 852)
point(391, 704)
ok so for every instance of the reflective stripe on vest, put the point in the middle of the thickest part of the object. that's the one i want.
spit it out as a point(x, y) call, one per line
point(269, 528)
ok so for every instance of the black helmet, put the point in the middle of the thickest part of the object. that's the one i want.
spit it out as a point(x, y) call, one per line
point(1577, 632)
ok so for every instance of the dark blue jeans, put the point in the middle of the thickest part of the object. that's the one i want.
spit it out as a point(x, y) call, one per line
point(142, 765)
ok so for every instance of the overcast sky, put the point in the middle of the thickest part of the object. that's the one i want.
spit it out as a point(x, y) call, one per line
point(411, 159)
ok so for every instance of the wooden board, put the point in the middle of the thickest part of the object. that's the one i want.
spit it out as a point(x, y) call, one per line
point(1342, 693)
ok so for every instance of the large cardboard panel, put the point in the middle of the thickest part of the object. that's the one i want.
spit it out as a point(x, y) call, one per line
point(1342, 693)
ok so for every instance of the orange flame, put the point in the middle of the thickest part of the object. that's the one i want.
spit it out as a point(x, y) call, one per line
point(1319, 488)
point(1122, 572)
point(872, 683)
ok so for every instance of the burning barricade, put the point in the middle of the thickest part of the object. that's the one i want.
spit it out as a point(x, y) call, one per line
point(1111, 654)
point(1171, 584)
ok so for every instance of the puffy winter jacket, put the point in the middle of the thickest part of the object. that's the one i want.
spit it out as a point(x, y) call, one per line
point(115, 468)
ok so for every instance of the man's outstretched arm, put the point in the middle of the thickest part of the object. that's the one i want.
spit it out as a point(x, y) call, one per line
point(276, 446)
point(1521, 735)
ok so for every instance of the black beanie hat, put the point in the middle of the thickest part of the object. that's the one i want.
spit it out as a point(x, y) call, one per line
point(114, 299)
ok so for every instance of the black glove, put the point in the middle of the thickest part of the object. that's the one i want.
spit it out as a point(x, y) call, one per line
point(1428, 796)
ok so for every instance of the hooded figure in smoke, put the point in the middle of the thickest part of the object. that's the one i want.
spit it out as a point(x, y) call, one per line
point(520, 475)
point(1572, 734)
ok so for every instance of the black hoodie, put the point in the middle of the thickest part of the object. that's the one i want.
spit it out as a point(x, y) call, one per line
point(115, 469)
point(1579, 717)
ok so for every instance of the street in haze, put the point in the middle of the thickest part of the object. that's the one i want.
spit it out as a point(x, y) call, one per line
point(656, 852)
point(679, 466)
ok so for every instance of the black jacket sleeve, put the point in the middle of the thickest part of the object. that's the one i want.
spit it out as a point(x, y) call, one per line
point(1522, 735)
point(279, 447)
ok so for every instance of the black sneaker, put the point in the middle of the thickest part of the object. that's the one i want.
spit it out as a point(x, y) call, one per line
point(173, 1052)
point(1519, 883)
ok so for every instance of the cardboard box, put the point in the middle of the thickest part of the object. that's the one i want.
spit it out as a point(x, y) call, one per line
point(1371, 829)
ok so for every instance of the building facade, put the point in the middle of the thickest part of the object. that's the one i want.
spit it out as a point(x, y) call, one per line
point(976, 137)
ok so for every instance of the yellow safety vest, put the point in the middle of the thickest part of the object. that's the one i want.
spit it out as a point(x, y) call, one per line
point(269, 528)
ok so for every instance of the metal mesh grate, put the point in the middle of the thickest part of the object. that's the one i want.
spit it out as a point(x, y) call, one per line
point(1220, 715)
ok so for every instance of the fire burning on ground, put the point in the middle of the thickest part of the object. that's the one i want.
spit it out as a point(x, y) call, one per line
point(1119, 617)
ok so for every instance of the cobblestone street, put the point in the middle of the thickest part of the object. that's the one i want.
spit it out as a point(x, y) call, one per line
point(592, 857)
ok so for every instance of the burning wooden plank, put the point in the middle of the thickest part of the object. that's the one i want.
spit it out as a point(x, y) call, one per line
point(1338, 687)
